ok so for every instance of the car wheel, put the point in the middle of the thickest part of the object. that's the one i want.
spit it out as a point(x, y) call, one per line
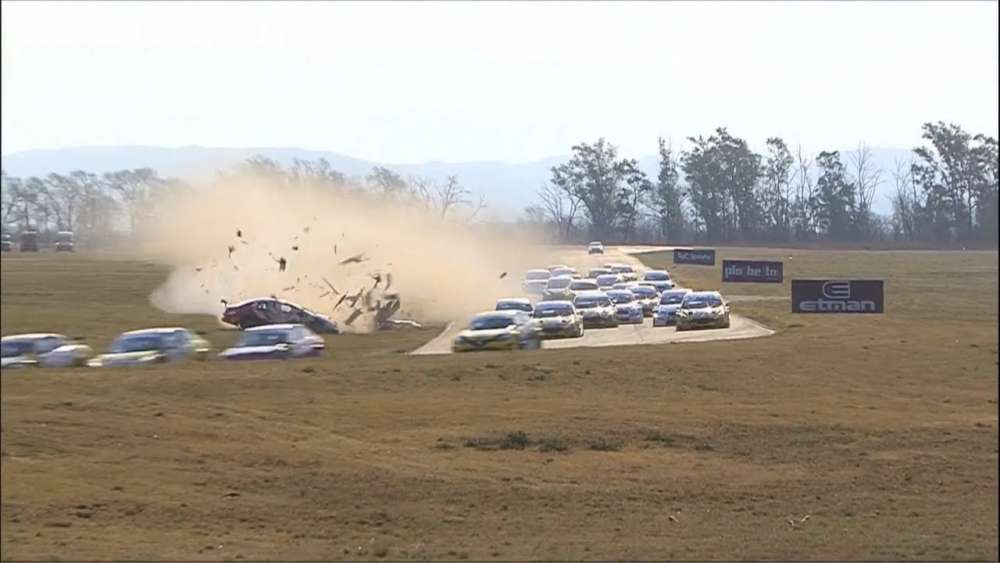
point(726, 323)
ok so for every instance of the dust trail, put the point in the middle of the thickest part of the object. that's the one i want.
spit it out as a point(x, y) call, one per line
point(442, 270)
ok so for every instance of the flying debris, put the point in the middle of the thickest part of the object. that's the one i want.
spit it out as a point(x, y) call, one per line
point(388, 281)
point(236, 268)
point(289, 288)
point(295, 247)
point(281, 264)
point(324, 294)
point(305, 230)
point(354, 316)
point(342, 298)
point(335, 250)
point(377, 277)
point(333, 289)
point(199, 268)
point(224, 302)
point(356, 259)
point(239, 233)
point(232, 249)
point(503, 275)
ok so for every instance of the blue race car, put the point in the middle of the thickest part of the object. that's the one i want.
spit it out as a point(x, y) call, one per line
point(670, 302)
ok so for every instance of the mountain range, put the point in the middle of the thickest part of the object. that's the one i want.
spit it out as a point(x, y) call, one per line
point(507, 186)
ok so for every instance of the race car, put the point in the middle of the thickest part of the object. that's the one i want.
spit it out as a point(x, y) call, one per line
point(703, 309)
point(558, 319)
point(42, 350)
point(595, 308)
point(594, 272)
point(537, 274)
point(279, 342)
point(514, 304)
point(558, 289)
point(269, 311)
point(627, 309)
point(659, 279)
point(565, 271)
point(498, 330)
point(647, 297)
point(153, 346)
point(595, 247)
point(535, 287)
point(605, 281)
point(670, 302)
point(627, 272)
point(582, 285)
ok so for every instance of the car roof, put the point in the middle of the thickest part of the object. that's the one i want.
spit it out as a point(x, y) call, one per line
point(499, 314)
point(704, 294)
point(608, 276)
point(592, 293)
point(553, 303)
point(595, 242)
point(514, 300)
point(618, 292)
point(255, 299)
point(677, 290)
point(538, 270)
point(280, 326)
point(31, 336)
point(163, 330)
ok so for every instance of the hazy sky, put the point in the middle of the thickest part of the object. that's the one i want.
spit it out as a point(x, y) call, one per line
point(453, 81)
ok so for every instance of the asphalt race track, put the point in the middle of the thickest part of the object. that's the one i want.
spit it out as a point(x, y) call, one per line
point(623, 335)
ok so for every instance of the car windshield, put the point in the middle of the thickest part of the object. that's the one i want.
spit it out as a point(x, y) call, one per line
point(136, 343)
point(622, 269)
point(591, 302)
point(562, 272)
point(264, 338)
point(536, 285)
point(597, 272)
point(671, 298)
point(13, 349)
point(582, 285)
point(657, 276)
point(643, 291)
point(537, 275)
point(701, 302)
point(621, 297)
point(513, 306)
point(553, 311)
point(607, 279)
point(559, 283)
point(490, 323)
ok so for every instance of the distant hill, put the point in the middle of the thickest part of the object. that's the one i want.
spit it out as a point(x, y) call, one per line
point(508, 186)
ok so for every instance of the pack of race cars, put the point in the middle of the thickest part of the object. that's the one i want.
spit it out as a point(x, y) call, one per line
point(562, 303)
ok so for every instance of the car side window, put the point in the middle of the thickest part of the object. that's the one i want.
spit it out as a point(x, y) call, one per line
point(46, 345)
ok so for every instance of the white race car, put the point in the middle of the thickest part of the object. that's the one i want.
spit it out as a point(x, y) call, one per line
point(595, 307)
point(42, 350)
point(703, 309)
point(498, 330)
point(558, 319)
point(514, 304)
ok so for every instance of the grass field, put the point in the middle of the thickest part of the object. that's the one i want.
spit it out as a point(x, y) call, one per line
point(840, 437)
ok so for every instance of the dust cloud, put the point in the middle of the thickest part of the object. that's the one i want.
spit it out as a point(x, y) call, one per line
point(442, 270)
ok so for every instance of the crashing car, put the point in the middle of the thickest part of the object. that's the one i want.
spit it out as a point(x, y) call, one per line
point(703, 309)
point(565, 271)
point(514, 304)
point(627, 309)
point(556, 319)
point(594, 272)
point(498, 330)
point(659, 279)
point(265, 311)
point(42, 350)
point(647, 297)
point(558, 289)
point(595, 248)
point(670, 302)
point(276, 342)
point(627, 272)
point(153, 346)
point(606, 281)
point(65, 241)
point(596, 309)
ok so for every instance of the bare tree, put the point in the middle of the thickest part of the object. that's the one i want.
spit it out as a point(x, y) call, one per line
point(904, 200)
point(867, 177)
point(560, 206)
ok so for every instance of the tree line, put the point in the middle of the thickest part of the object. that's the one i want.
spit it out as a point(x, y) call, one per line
point(719, 190)
point(97, 206)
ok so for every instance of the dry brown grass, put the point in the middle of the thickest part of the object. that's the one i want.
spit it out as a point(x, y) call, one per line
point(882, 429)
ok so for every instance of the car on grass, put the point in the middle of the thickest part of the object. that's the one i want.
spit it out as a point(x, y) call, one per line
point(595, 247)
point(647, 297)
point(558, 319)
point(42, 350)
point(153, 346)
point(703, 309)
point(596, 309)
point(670, 302)
point(65, 241)
point(269, 311)
point(660, 279)
point(627, 309)
point(514, 304)
point(558, 289)
point(277, 342)
point(498, 330)
point(606, 281)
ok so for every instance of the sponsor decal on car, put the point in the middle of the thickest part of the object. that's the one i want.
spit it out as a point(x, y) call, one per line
point(838, 296)
point(698, 257)
point(752, 271)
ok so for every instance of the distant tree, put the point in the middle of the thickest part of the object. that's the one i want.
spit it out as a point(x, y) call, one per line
point(133, 188)
point(866, 177)
point(777, 173)
point(560, 207)
point(834, 202)
point(722, 172)
point(667, 195)
point(632, 197)
point(386, 183)
point(905, 202)
point(803, 220)
point(596, 177)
